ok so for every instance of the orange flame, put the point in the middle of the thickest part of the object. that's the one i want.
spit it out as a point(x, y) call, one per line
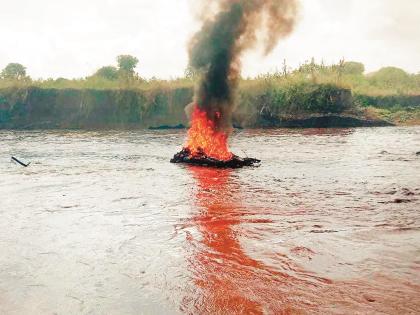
point(204, 138)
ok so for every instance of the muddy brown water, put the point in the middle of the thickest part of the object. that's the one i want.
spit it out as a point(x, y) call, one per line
point(102, 223)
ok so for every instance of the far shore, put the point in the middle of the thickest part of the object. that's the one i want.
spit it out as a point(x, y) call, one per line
point(308, 105)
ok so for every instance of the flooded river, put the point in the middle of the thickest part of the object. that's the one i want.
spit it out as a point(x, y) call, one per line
point(102, 223)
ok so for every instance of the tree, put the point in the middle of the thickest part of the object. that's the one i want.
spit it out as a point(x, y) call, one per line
point(107, 72)
point(126, 64)
point(390, 77)
point(14, 71)
point(354, 68)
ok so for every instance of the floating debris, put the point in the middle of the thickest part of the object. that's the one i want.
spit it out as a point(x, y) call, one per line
point(19, 162)
point(185, 156)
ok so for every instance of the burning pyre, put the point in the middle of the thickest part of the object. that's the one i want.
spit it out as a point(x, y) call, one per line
point(229, 28)
point(206, 146)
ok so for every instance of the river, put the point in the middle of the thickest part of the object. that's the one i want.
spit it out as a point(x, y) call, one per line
point(102, 223)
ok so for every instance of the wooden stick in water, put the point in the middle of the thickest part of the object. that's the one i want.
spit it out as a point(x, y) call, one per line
point(21, 163)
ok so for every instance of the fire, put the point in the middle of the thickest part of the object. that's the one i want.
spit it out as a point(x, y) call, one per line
point(205, 139)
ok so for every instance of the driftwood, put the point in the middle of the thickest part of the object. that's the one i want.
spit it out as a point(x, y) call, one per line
point(21, 163)
point(165, 127)
point(202, 160)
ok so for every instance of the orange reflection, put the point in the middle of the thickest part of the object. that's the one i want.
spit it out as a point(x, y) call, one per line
point(228, 280)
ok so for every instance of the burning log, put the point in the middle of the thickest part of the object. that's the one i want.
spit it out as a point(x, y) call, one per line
point(201, 159)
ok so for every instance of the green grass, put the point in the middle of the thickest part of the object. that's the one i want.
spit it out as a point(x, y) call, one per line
point(385, 82)
point(389, 94)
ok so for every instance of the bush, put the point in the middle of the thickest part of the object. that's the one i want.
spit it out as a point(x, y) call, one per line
point(317, 98)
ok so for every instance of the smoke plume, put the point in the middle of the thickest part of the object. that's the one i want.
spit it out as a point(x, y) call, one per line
point(215, 51)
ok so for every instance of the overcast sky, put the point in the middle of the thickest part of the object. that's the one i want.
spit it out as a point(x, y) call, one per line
point(73, 38)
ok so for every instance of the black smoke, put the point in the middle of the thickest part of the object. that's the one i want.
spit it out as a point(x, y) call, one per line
point(216, 50)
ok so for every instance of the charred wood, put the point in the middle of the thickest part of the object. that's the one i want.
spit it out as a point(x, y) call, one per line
point(185, 156)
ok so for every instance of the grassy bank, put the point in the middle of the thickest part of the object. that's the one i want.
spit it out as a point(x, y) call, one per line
point(34, 107)
point(313, 91)
point(398, 109)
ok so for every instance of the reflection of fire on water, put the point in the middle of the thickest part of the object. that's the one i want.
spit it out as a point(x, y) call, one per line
point(228, 280)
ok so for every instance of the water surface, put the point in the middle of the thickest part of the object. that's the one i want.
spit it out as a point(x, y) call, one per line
point(101, 223)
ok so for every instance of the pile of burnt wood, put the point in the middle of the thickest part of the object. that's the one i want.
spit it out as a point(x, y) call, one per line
point(202, 159)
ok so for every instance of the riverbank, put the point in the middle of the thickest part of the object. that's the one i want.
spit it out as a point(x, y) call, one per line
point(303, 105)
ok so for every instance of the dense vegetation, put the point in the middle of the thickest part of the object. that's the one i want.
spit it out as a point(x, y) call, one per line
point(117, 95)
